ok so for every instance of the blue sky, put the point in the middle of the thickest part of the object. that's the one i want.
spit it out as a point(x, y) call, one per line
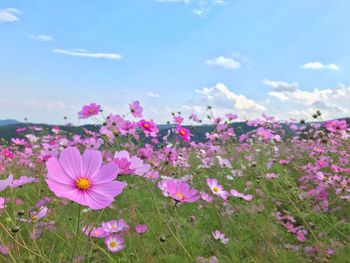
point(284, 58)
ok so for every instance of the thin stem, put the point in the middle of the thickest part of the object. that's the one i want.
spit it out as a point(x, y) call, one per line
point(76, 234)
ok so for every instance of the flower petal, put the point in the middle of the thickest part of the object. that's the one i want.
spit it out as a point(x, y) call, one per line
point(92, 161)
point(71, 162)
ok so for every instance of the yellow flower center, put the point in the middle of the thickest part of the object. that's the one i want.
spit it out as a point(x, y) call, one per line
point(146, 125)
point(180, 195)
point(91, 111)
point(34, 218)
point(83, 183)
point(182, 132)
point(113, 244)
point(216, 189)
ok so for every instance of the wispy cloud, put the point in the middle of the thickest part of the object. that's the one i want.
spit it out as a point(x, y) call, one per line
point(9, 15)
point(153, 95)
point(280, 86)
point(198, 7)
point(228, 63)
point(43, 38)
point(174, 1)
point(88, 54)
point(319, 65)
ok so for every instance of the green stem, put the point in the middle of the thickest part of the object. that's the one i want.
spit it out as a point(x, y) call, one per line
point(76, 234)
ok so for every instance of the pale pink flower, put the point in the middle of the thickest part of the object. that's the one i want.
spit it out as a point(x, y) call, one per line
point(82, 179)
point(130, 165)
point(135, 109)
point(114, 243)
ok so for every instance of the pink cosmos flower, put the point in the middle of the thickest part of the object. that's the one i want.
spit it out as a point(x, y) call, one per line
point(93, 143)
point(216, 188)
point(220, 237)
point(114, 243)
point(336, 125)
point(271, 175)
point(206, 197)
point(127, 165)
point(180, 191)
point(183, 133)
point(7, 153)
point(178, 119)
point(231, 116)
point(235, 193)
point(141, 229)
point(5, 183)
point(18, 141)
point(36, 216)
point(115, 226)
point(23, 180)
point(135, 109)
point(97, 232)
point(195, 118)
point(82, 179)
point(89, 110)
point(148, 127)
point(2, 203)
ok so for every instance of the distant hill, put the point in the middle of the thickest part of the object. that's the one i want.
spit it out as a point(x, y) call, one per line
point(8, 129)
point(7, 122)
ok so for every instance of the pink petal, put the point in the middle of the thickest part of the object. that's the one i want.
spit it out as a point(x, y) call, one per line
point(59, 189)
point(92, 161)
point(110, 189)
point(56, 173)
point(96, 201)
point(71, 162)
point(107, 173)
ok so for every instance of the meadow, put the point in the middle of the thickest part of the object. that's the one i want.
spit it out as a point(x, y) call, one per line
point(128, 194)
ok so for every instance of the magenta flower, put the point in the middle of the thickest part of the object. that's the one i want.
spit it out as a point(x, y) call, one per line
point(130, 165)
point(5, 183)
point(82, 179)
point(148, 127)
point(135, 109)
point(141, 229)
point(89, 110)
point(179, 191)
point(184, 133)
point(114, 243)
point(2, 203)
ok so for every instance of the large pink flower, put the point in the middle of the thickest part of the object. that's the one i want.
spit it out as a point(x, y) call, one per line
point(82, 179)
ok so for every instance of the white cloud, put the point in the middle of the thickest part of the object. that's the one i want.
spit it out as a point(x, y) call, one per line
point(228, 63)
point(281, 85)
point(9, 15)
point(319, 65)
point(88, 54)
point(225, 98)
point(333, 102)
point(153, 95)
point(43, 38)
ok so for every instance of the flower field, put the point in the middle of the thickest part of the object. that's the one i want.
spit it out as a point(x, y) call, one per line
point(129, 193)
